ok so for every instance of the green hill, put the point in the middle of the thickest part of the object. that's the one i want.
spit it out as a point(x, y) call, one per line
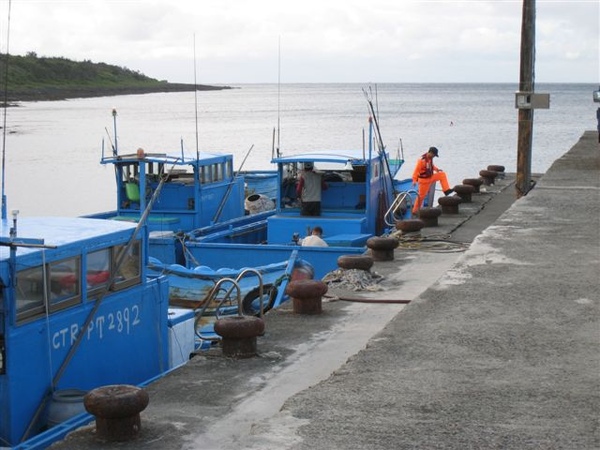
point(41, 78)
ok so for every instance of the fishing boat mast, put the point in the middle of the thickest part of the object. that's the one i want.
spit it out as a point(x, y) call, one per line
point(4, 109)
point(196, 101)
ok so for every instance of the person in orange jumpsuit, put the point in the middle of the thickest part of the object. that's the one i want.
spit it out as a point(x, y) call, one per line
point(426, 173)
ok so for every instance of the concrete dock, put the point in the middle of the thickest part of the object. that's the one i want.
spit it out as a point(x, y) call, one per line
point(499, 347)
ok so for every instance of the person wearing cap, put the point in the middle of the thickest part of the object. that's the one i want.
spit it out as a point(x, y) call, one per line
point(426, 173)
point(309, 190)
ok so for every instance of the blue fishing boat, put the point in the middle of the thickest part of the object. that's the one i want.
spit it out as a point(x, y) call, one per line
point(184, 192)
point(80, 306)
point(76, 303)
point(363, 199)
point(80, 297)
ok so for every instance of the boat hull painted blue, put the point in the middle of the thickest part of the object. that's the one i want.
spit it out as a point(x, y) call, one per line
point(131, 325)
point(195, 285)
point(323, 259)
point(126, 340)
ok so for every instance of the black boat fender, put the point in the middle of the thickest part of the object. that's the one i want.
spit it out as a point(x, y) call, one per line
point(250, 305)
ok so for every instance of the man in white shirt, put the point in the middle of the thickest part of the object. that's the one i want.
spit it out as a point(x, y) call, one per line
point(309, 189)
point(315, 239)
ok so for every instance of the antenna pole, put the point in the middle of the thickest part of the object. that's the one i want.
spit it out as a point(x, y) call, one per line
point(115, 147)
point(196, 101)
point(4, 213)
point(278, 95)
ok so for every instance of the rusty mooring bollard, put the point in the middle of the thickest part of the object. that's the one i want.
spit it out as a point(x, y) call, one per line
point(498, 169)
point(488, 176)
point(358, 262)
point(117, 410)
point(382, 248)
point(239, 335)
point(429, 215)
point(449, 204)
point(307, 296)
point(409, 225)
point(464, 191)
point(475, 182)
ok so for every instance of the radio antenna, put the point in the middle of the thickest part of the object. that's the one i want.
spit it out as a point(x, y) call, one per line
point(5, 107)
point(196, 101)
point(278, 97)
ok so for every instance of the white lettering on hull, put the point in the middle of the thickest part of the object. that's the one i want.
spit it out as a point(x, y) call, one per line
point(122, 321)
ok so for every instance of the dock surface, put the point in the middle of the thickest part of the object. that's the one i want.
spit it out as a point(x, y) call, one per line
point(497, 349)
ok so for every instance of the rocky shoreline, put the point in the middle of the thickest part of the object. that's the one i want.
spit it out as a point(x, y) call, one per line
point(63, 93)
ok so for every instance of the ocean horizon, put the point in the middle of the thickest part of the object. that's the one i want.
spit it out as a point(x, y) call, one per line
point(58, 144)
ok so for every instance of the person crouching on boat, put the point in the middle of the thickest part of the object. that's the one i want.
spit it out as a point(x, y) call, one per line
point(426, 173)
point(309, 190)
point(314, 239)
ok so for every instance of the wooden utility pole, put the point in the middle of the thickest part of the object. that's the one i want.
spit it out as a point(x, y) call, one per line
point(526, 85)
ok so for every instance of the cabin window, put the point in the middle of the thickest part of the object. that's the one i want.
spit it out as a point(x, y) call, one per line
point(97, 271)
point(229, 169)
point(30, 293)
point(217, 172)
point(129, 270)
point(203, 175)
point(60, 284)
point(65, 283)
point(130, 172)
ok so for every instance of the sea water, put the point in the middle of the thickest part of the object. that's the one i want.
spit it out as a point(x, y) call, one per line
point(52, 149)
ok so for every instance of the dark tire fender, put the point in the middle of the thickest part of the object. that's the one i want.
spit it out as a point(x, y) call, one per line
point(268, 290)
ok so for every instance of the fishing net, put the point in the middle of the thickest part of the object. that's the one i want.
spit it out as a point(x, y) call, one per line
point(353, 280)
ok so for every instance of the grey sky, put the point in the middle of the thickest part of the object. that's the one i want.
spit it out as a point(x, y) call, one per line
point(238, 41)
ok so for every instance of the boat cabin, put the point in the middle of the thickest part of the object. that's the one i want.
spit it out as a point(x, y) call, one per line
point(187, 192)
point(77, 311)
point(360, 191)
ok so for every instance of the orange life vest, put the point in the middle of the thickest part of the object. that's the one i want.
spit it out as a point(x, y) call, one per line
point(425, 167)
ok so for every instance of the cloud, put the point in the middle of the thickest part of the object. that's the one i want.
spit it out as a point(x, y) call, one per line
point(235, 41)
